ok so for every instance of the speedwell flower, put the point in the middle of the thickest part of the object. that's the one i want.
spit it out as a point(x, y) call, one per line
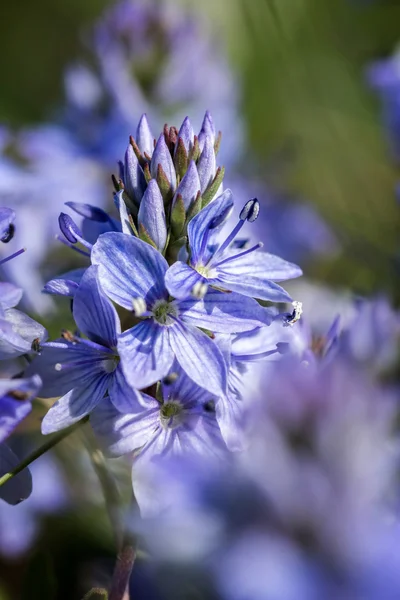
point(83, 370)
point(249, 271)
point(131, 272)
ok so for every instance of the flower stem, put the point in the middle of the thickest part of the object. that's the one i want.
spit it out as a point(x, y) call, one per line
point(120, 581)
point(110, 490)
point(55, 439)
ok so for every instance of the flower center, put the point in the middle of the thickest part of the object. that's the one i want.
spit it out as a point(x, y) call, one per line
point(165, 312)
point(171, 414)
point(109, 365)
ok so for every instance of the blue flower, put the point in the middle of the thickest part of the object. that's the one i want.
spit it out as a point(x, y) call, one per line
point(83, 370)
point(249, 272)
point(131, 272)
point(182, 423)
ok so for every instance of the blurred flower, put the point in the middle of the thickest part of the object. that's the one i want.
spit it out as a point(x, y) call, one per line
point(303, 512)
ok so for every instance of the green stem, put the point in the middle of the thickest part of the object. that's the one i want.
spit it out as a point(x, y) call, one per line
point(110, 490)
point(55, 439)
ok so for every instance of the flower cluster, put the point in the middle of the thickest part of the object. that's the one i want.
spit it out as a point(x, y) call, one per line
point(137, 61)
point(19, 334)
point(161, 374)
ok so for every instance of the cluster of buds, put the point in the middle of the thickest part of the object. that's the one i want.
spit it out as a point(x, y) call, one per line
point(164, 183)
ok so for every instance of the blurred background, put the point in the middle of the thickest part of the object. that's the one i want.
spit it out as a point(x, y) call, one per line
point(286, 81)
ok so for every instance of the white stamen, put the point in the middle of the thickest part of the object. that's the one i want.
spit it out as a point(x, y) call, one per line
point(296, 314)
point(58, 366)
point(139, 306)
point(199, 290)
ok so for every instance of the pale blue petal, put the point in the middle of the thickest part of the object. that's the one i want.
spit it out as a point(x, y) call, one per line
point(253, 286)
point(199, 357)
point(200, 224)
point(225, 312)
point(76, 404)
point(184, 389)
point(144, 137)
point(161, 156)
point(189, 186)
point(57, 383)
point(180, 279)
point(134, 179)
point(123, 433)
point(11, 343)
point(187, 134)
point(66, 284)
point(123, 212)
point(261, 264)
point(129, 268)
point(230, 417)
point(10, 295)
point(12, 413)
point(19, 487)
point(24, 326)
point(146, 354)
point(152, 215)
point(125, 398)
point(93, 312)
point(206, 165)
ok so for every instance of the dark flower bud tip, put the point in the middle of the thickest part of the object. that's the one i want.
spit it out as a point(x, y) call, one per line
point(250, 210)
point(68, 228)
point(9, 234)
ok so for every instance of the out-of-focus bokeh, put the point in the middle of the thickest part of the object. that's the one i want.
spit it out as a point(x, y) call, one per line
point(309, 113)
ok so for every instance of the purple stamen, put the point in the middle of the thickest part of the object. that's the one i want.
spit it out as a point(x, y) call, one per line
point(70, 245)
point(235, 256)
point(71, 231)
point(4, 260)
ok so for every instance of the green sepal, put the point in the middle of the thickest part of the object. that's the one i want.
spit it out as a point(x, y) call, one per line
point(144, 235)
point(146, 171)
point(164, 185)
point(136, 150)
point(181, 159)
point(214, 186)
point(195, 207)
point(96, 594)
point(117, 183)
point(195, 151)
point(217, 143)
point(178, 217)
point(173, 249)
point(133, 226)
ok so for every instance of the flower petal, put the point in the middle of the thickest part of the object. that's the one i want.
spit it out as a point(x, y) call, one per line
point(161, 156)
point(59, 382)
point(181, 278)
point(10, 295)
point(152, 215)
point(199, 357)
point(19, 487)
point(189, 186)
point(129, 268)
point(225, 313)
point(230, 413)
point(93, 312)
point(206, 165)
point(76, 404)
point(134, 179)
point(187, 134)
point(125, 398)
point(124, 433)
point(200, 224)
point(145, 352)
point(66, 284)
point(144, 137)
